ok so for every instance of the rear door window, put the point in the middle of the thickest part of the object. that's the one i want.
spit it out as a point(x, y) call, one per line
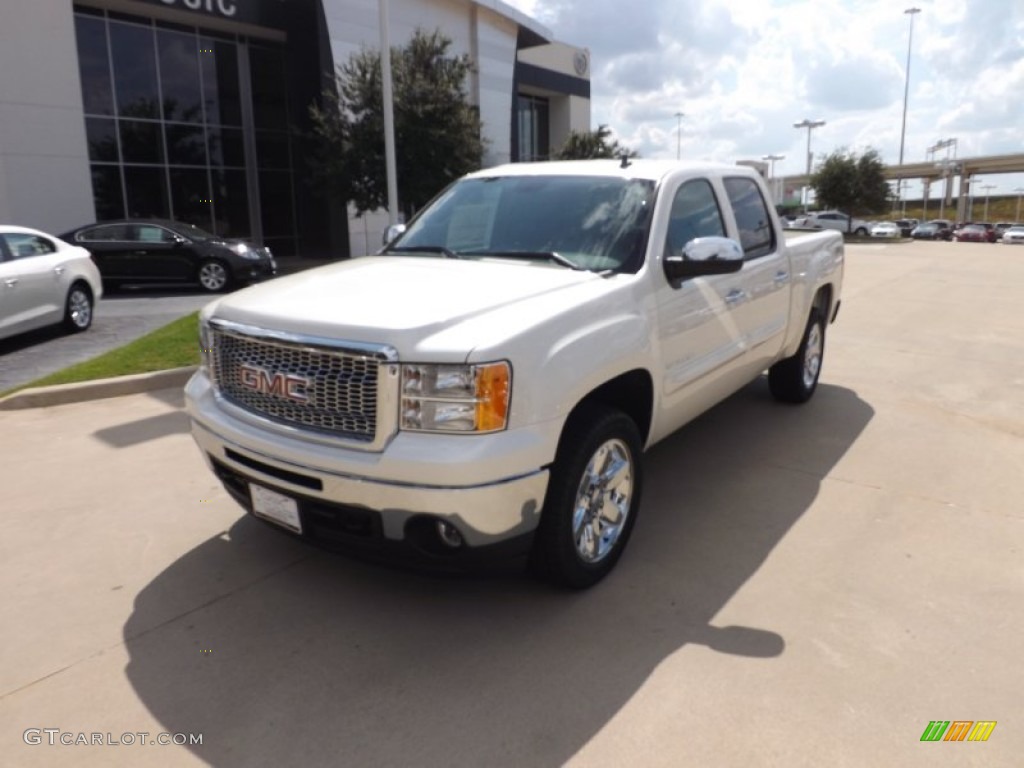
point(22, 245)
point(757, 235)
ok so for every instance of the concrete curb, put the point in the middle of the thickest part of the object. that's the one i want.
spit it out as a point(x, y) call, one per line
point(41, 397)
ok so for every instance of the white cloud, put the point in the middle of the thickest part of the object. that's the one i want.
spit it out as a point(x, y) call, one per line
point(744, 71)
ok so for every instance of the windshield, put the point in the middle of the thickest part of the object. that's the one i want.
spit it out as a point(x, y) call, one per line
point(589, 222)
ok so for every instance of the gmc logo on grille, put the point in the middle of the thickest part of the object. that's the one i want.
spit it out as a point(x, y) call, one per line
point(286, 385)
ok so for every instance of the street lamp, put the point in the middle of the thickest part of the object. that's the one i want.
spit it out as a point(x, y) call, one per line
point(1020, 194)
point(810, 125)
point(986, 187)
point(906, 92)
point(906, 85)
point(679, 132)
point(771, 173)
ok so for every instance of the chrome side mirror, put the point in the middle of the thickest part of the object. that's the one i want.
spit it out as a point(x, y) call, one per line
point(392, 233)
point(704, 256)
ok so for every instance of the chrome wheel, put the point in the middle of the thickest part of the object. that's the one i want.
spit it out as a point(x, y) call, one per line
point(812, 355)
point(603, 501)
point(79, 308)
point(213, 276)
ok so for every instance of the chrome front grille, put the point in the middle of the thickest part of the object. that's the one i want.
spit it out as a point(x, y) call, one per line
point(300, 383)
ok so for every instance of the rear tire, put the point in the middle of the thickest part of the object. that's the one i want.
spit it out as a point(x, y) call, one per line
point(592, 500)
point(794, 379)
point(860, 232)
point(78, 308)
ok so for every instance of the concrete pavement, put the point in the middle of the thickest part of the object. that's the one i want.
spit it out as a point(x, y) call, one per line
point(806, 586)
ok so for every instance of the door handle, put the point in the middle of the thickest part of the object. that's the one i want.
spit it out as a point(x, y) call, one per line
point(58, 270)
point(781, 277)
point(735, 296)
point(10, 282)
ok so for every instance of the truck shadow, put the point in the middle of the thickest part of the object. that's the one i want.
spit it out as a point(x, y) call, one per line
point(280, 654)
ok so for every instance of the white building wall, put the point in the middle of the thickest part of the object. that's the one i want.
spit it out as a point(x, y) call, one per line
point(44, 163)
point(484, 34)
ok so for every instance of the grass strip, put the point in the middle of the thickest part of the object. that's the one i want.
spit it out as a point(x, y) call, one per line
point(174, 345)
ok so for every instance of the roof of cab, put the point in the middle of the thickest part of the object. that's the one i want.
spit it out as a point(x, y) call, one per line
point(636, 168)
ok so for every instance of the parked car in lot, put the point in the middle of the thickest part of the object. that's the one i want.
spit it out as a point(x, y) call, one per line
point(888, 229)
point(933, 230)
point(160, 251)
point(44, 281)
point(1002, 226)
point(906, 226)
point(1014, 235)
point(836, 220)
point(975, 233)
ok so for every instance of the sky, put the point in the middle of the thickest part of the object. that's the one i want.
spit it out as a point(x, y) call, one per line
point(743, 71)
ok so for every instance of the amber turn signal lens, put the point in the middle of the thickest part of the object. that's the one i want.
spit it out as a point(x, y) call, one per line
point(492, 389)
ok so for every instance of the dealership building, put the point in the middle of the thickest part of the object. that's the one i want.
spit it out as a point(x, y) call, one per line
point(196, 109)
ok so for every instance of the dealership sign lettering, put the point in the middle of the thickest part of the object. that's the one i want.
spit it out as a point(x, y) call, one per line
point(226, 8)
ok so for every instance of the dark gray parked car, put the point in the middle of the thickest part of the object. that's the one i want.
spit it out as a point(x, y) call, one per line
point(160, 251)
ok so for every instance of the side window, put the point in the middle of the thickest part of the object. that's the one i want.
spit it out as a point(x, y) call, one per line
point(22, 245)
point(147, 233)
point(757, 236)
point(105, 234)
point(695, 213)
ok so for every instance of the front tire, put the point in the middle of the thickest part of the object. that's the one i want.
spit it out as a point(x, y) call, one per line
point(794, 379)
point(860, 232)
point(78, 308)
point(213, 276)
point(592, 500)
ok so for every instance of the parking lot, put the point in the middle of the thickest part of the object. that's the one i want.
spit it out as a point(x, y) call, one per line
point(806, 586)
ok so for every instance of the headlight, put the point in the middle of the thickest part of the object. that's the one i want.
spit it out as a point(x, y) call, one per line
point(245, 251)
point(455, 398)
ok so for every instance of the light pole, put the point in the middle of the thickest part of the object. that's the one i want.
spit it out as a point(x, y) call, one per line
point(1020, 194)
point(771, 174)
point(906, 92)
point(679, 133)
point(986, 187)
point(390, 166)
point(810, 125)
point(906, 85)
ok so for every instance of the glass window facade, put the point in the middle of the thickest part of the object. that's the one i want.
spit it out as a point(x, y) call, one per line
point(534, 133)
point(166, 122)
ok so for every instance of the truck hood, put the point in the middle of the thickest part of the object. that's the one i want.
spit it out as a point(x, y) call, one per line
point(405, 301)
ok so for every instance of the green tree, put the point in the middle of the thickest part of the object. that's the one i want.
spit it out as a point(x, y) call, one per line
point(853, 184)
point(585, 145)
point(437, 132)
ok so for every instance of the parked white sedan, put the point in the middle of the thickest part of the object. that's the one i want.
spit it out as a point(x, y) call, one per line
point(44, 281)
point(1014, 236)
point(886, 229)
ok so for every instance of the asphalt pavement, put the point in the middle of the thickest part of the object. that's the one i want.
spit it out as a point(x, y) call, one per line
point(806, 585)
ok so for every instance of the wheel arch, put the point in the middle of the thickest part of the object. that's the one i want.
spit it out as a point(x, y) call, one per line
point(631, 392)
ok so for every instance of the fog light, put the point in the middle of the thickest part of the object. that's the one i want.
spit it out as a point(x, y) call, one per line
point(449, 534)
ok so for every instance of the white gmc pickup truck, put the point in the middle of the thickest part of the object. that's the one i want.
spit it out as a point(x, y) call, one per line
point(485, 386)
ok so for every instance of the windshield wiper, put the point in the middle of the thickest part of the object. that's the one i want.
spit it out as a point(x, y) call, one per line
point(446, 252)
point(554, 256)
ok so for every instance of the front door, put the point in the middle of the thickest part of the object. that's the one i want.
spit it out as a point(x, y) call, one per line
point(699, 339)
